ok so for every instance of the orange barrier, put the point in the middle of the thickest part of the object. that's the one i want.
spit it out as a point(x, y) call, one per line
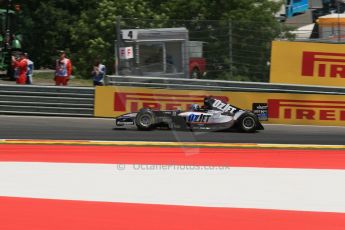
point(308, 63)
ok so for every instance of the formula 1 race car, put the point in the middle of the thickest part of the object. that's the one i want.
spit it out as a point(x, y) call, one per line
point(213, 115)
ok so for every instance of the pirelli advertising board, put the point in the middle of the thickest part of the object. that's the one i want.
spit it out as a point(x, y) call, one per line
point(308, 63)
point(299, 109)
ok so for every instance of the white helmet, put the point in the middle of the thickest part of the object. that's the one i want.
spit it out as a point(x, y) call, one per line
point(194, 107)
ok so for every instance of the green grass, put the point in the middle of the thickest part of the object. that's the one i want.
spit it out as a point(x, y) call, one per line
point(47, 78)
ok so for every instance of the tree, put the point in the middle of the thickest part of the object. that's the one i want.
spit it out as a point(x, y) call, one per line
point(47, 27)
point(95, 31)
point(86, 29)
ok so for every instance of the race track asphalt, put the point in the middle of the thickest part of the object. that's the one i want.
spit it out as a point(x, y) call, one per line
point(54, 128)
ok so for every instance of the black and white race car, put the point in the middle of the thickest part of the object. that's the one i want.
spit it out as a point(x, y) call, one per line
point(213, 115)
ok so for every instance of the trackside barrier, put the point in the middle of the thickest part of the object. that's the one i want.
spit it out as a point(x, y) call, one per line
point(216, 85)
point(284, 108)
point(309, 63)
point(47, 100)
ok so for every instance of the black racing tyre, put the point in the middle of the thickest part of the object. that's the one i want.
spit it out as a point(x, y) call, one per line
point(145, 120)
point(248, 123)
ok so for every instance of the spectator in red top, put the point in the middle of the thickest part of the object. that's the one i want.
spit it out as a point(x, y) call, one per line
point(20, 66)
point(63, 69)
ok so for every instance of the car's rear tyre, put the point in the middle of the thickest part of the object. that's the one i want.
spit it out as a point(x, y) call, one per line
point(145, 120)
point(248, 123)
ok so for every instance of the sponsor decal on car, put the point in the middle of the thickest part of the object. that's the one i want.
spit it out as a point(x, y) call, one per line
point(204, 118)
point(224, 107)
point(124, 123)
point(261, 111)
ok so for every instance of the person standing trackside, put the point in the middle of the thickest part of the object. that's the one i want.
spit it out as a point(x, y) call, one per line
point(20, 66)
point(98, 73)
point(63, 69)
point(30, 69)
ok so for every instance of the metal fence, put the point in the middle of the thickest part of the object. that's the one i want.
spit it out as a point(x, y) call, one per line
point(220, 85)
point(230, 50)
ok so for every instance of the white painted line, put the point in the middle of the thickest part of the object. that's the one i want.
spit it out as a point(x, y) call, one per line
point(263, 188)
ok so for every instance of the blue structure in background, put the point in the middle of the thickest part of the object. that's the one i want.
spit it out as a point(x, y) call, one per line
point(296, 7)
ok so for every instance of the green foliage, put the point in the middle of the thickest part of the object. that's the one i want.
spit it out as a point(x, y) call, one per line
point(86, 30)
point(47, 27)
point(95, 31)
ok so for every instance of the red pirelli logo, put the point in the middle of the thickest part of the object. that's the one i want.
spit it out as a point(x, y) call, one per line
point(320, 64)
point(134, 101)
point(306, 110)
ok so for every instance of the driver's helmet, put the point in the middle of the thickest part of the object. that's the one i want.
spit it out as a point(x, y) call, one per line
point(208, 102)
point(194, 107)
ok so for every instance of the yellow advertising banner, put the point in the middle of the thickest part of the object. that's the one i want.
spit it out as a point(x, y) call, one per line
point(308, 63)
point(113, 101)
point(283, 108)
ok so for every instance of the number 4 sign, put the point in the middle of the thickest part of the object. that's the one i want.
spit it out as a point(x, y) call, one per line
point(129, 34)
